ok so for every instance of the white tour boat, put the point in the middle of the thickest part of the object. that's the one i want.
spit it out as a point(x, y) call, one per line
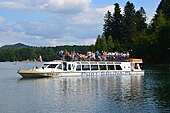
point(85, 68)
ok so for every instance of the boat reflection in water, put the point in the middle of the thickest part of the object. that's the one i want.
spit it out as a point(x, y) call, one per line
point(120, 87)
point(115, 87)
point(116, 93)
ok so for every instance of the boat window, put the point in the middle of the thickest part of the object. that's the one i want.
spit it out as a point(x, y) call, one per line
point(69, 66)
point(102, 67)
point(138, 66)
point(141, 66)
point(111, 67)
point(118, 67)
point(59, 66)
point(85, 67)
point(52, 65)
point(94, 67)
point(78, 68)
point(78, 62)
point(45, 65)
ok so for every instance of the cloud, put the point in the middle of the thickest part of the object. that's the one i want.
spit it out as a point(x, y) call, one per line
point(11, 37)
point(2, 20)
point(72, 41)
point(3, 26)
point(44, 34)
point(12, 5)
point(69, 22)
point(105, 9)
point(82, 25)
point(55, 6)
point(110, 8)
point(66, 5)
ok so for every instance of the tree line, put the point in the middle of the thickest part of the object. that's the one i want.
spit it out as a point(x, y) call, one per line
point(128, 31)
point(33, 53)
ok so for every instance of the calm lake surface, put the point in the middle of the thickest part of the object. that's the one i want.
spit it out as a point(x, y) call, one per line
point(115, 94)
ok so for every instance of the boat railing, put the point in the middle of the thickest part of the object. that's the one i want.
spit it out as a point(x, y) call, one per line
point(98, 60)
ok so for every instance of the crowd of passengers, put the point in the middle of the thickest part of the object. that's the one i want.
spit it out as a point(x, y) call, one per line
point(93, 56)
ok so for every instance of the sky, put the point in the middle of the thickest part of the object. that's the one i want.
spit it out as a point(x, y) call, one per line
point(59, 22)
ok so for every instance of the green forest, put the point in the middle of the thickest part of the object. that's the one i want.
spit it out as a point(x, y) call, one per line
point(127, 31)
point(130, 32)
point(21, 52)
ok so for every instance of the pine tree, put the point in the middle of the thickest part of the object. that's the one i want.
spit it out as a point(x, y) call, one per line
point(98, 43)
point(163, 35)
point(165, 7)
point(160, 29)
point(103, 44)
point(107, 27)
point(110, 45)
point(117, 26)
point(129, 23)
point(140, 20)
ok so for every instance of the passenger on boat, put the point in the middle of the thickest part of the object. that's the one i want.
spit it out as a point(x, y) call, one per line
point(61, 54)
point(97, 54)
point(67, 56)
point(89, 54)
point(73, 55)
point(105, 56)
point(93, 56)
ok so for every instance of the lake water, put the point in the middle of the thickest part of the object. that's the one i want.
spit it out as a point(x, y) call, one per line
point(115, 94)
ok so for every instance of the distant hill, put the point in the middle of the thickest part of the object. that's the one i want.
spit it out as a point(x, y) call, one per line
point(15, 46)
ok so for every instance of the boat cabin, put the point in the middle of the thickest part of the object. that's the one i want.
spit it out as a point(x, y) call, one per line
point(76, 66)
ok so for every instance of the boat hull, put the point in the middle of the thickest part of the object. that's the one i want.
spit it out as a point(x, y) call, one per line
point(102, 73)
point(33, 73)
